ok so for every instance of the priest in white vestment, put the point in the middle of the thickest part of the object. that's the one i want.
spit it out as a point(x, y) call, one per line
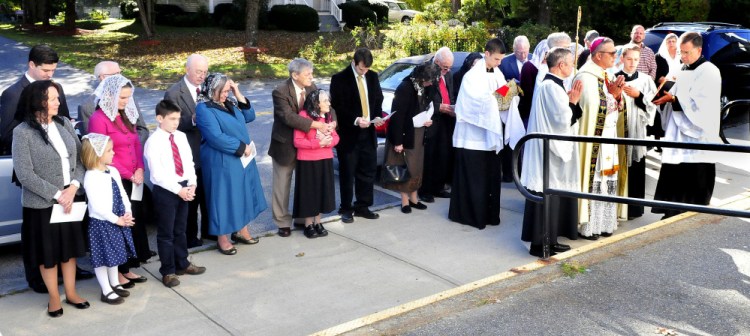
point(692, 112)
point(602, 105)
point(554, 111)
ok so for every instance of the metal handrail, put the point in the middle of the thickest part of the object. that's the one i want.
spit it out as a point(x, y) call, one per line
point(547, 191)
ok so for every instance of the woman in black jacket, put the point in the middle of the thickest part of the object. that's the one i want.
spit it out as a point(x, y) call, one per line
point(405, 141)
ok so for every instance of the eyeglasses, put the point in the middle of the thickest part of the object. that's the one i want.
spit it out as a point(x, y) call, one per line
point(610, 53)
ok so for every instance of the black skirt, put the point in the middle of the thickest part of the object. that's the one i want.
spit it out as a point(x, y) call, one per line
point(314, 191)
point(564, 220)
point(50, 244)
point(475, 193)
point(142, 218)
point(636, 186)
point(691, 183)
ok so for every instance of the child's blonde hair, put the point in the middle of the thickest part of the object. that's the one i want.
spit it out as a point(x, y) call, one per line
point(88, 154)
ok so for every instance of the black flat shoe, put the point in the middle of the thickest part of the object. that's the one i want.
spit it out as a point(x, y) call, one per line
point(606, 234)
point(560, 247)
point(115, 301)
point(405, 209)
point(284, 232)
point(366, 213)
point(310, 232)
point(139, 279)
point(418, 205)
point(593, 237)
point(119, 290)
point(229, 251)
point(56, 313)
point(320, 230)
point(128, 285)
point(81, 305)
point(239, 238)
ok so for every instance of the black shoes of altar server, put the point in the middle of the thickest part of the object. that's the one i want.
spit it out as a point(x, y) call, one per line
point(536, 250)
point(347, 216)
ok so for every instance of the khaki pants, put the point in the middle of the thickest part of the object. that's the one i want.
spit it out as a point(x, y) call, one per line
point(282, 186)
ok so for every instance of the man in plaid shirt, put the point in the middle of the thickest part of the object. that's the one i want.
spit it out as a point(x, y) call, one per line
point(647, 64)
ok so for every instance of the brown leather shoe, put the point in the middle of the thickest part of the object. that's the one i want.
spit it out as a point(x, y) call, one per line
point(170, 280)
point(192, 270)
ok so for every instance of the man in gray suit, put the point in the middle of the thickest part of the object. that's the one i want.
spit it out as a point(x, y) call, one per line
point(103, 70)
point(184, 94)
point(42, 65)
point(288, 99)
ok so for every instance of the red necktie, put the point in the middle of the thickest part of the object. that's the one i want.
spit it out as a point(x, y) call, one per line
point(301, 99)
point(197, 93)
point(444, 91)
point(176, 156)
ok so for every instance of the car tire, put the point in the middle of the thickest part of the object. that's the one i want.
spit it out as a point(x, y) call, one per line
point(406, 20)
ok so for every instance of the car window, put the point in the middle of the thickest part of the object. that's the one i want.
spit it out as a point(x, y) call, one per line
point(402, 6)
point(391, 77)
point(393, 6)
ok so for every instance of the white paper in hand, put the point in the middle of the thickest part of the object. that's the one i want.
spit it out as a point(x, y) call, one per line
point(76, 213)
point(379, 119)
point(423, 117)
point(136, 194)
point(246, 159)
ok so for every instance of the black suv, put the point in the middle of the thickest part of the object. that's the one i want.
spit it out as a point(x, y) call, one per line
point(726, 45)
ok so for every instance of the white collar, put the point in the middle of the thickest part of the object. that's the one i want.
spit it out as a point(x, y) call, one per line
point(31, 80)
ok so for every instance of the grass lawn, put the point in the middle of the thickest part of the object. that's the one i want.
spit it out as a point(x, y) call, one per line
point(157, 66)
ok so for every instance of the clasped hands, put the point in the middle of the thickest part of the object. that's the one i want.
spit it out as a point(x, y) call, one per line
point(66, 198)
point(187, 193)
point(126, 220)
point(615, 87)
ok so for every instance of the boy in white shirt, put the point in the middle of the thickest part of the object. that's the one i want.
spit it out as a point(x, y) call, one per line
point(170, 162)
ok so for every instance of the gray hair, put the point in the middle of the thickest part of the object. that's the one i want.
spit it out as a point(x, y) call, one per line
point(193, 58)
point(558, 39)
point(557, 55)
point(99, 68)
point(297, 65)
point(443, 54)
point(520, 39)
point(591, 35)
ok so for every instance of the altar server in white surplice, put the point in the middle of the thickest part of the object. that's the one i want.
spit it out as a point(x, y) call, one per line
point(554, 111)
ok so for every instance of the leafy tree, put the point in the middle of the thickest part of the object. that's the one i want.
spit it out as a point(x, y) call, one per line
point(147, 16)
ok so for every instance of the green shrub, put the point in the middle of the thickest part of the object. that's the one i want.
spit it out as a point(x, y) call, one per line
point(298, 18)
point(368, 36)
point(438, 10)
point(98, 14)
point(201, 18)
point(89, 24)
point(418, 39)
point(60, 17)
point(535, 33)
point(318, 52)
point(380, 9)
point(487, 11)
point(357, 15)
point(129, 9)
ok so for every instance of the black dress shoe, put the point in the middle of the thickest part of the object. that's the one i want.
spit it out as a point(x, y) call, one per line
point(310, 232)
point(592, 237)
point(115, 301)
point(194, 242)
point(418, 205)
point(38, 287)
point(82, 274)
point(239, 238)
point(119, 290)
point(347, 217)
point(366, 213)
point(427, 198)
point(229, 251)
point(139, 279)
point(128, 285)
point(443, 194)
point(81, 305)
point(405, 209)
point(606, 234)
point(560, 247)
point(56, 313)
point(284, 232)
point(320, 230)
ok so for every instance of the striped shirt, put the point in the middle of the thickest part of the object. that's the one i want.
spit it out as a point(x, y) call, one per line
point(647, 63)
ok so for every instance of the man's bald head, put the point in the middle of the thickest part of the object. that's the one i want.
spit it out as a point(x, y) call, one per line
point(196, 69)
point(105, 69)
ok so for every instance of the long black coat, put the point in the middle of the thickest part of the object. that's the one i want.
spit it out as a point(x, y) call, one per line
point(406, 105)
point(346, 103)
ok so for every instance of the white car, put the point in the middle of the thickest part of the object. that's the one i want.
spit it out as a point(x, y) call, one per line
point(398, 11)
point(10, 198)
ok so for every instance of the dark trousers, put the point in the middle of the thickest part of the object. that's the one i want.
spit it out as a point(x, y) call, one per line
point(506, 155)
point(357, 170)
point(140, 235)
point(198, 204)
point(170, 237)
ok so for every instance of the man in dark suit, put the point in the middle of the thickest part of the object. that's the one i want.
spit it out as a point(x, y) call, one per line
point(438, 146)
point(42, 65)
point(511, 69)
point(184, 94)
point(356, 95)
point(512, 64)
point(288, 99)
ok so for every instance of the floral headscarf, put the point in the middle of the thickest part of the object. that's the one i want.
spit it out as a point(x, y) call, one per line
point(212, 84)
point(108, 94)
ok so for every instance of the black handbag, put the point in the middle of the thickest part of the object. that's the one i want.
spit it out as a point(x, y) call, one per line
point(396, 173)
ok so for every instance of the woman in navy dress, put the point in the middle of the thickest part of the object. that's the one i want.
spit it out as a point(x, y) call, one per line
point(233, 190)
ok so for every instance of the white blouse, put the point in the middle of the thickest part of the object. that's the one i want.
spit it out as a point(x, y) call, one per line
point(56, 139)
point(99, 193)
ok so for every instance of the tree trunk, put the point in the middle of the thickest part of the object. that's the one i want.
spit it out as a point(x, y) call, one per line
point(46, 8)
point(70, 14)
point(455, 6)
point(146, 13)
point(544, 12)
point(251, 30)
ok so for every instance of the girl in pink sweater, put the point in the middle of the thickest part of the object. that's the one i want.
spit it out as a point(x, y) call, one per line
point(314, 187)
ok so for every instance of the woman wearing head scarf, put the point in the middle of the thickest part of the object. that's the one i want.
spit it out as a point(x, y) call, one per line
point(115, 117)
point(49, 169)
point(404, 139)
point(233, 190)
point(668, 62)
